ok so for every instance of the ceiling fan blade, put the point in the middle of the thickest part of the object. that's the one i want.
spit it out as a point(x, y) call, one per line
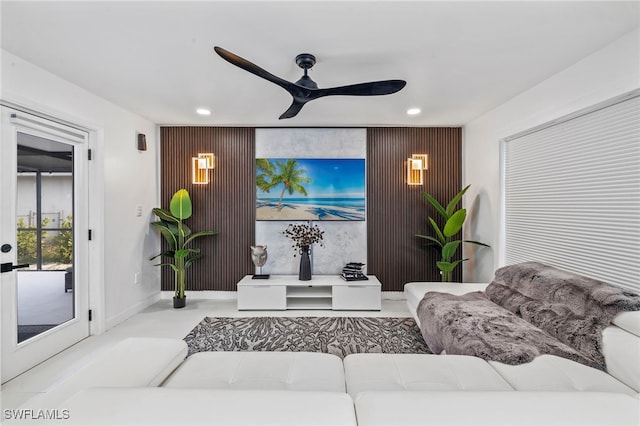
point(374, 88)
point(256, 70)
point(305, 89)
point(293, 110)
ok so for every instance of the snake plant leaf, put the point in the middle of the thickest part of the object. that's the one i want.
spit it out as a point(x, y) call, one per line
point(441, 237)
point(449, 249)
point(454, 224)
point(165, 215)
point(455, 200)
point(427, 237)
point(436, 205)
point(198, 235)
point(180, 205)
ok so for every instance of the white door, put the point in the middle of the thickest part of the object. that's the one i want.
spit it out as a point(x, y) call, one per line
point(43, 239)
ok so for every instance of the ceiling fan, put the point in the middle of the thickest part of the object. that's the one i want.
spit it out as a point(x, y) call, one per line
point(305, 89)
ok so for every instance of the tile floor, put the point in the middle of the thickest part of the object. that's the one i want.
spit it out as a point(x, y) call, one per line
point(158, 320)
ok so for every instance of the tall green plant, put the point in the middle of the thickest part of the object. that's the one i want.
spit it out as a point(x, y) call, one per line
point(444, 238)
point(178, 236)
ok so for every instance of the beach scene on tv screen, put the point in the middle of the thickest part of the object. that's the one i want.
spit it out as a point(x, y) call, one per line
point(310, 189)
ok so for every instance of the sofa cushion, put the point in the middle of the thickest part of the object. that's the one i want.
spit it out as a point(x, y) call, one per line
point(171, 406)
point(368, 372)
point(495, 408)
point(622, 352)
point(133, 362)
point(414, 292)
point(628, 321)
point(260, 370)
point(552, 373)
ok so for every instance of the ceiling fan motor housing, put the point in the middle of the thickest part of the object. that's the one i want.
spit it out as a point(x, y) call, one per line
point(305, 60)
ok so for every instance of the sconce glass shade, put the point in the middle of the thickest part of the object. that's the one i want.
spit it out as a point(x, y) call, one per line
point(424, 160)
point(415, 167)
point(199, 171)
point(414, 172)
point(211, 159)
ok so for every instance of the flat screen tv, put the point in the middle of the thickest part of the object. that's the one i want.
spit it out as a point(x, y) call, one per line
point(310, 189)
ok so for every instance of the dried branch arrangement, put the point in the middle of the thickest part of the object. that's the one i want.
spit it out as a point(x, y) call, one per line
point(303, 235)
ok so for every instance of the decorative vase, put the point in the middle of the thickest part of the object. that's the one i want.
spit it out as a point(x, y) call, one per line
point(305, 264)
point(179, 302)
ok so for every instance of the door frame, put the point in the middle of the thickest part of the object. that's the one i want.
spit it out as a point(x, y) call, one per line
point(94, 205)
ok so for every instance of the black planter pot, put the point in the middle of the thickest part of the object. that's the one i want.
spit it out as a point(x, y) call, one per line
point(305, 265)
point(179, 302)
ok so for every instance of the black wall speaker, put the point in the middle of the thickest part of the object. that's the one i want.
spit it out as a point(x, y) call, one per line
point(142, 142)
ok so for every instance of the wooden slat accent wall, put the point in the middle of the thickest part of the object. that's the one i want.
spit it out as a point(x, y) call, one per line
point(397, 211)
point(226, 204)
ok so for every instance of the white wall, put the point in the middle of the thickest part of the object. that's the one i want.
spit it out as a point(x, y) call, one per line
point(121, 178)
point(609, 72)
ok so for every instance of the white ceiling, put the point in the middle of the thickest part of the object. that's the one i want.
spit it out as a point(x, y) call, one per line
point(460, 59)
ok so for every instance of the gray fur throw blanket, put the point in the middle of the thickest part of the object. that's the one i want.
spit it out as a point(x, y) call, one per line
point(529, 309)
point(572, 308)
point(473, 325)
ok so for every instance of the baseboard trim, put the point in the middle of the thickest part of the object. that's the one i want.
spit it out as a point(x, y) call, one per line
point(135, 309)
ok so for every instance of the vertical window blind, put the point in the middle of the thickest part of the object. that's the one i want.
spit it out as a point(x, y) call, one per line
point(572, 194)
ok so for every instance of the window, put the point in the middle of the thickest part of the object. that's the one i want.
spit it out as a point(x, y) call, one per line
point(572, 193)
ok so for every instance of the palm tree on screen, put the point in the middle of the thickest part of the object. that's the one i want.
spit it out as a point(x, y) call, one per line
point(288, 174)
point(265, 173)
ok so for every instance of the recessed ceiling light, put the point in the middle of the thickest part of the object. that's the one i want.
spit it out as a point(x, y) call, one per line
point(413, 111)
point(203, 111)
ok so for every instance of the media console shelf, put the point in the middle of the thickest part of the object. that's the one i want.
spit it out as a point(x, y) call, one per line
point(281, 292)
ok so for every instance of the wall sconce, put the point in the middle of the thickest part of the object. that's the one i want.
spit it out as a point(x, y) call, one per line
point(416, 165)
point(142, 142)
point(200, 167)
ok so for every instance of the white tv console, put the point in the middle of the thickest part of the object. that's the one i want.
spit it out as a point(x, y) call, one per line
point(281, 292)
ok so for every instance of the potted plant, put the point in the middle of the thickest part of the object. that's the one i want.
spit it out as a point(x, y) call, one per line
point(178, 236)
point(454, 219)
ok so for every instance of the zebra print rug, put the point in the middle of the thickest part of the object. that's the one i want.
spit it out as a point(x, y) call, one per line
point(335, 335)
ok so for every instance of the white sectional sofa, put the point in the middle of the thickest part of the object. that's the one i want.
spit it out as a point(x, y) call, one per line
point(148, 381)
point(461, 390)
